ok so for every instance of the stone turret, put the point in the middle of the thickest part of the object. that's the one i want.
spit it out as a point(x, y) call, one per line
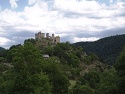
point(42, 35)
point(47, 35)
point(38, 35)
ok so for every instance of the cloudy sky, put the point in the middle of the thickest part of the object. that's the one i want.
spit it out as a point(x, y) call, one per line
point(72, 20)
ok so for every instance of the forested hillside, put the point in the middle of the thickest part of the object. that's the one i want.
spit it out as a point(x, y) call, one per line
point(1, 48)
point(107, 49)
point(67, 70)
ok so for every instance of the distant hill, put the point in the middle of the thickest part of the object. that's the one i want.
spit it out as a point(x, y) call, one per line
point(1, 48)
point(107, 49)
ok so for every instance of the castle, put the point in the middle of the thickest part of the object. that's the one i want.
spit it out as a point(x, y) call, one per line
point(46, 40)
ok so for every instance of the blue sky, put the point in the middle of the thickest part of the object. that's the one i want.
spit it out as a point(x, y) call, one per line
point(72, 20)
point(22, 3)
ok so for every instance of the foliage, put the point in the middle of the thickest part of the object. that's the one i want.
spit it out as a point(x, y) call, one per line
point(107, 49)
point(68, 70)
point(120, 68)
point(108, 83)
point(27, 73)
point(33, 41)
point(91, 79)
point(2, 59)
point(90, 58)
point(3, 68)
point(82, 89)
point(3, 53)
point(120, 65)
point(58, 80)
point(12, 52)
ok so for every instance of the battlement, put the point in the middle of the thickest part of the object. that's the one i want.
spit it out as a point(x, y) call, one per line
point(47, 40)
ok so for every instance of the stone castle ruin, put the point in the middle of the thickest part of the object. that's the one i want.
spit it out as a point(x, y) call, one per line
point(46, 40)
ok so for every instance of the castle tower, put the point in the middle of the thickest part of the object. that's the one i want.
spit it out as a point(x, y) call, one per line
point(53, 38)
point(42, 35)
point(47, 35)
point(57, 40)
point(39, 35)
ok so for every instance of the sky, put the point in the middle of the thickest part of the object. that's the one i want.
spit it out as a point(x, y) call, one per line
point(72, 20)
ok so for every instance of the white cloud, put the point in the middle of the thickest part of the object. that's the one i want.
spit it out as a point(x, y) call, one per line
point(13, 3)
point(75, 6)
point(4, 41)
point(40, 16)
point(76, 39)
point(1, 30)
point(111, 1)
point(30, 2)
point(64, 17)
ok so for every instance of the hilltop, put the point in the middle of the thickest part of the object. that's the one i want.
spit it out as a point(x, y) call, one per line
point(107, 49)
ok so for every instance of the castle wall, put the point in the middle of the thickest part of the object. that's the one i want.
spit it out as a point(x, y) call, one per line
point(47, 40)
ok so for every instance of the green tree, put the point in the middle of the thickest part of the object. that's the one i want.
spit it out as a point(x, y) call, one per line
point(82, 89)
point(12, 52)
point(33, 41)
point(91, 79)
point(48, 50)
point(120, 64)
point(3, 53)
point(120, 68)
point(58, 79)
point(108, 83)
point(28, 77)
point(79, 51)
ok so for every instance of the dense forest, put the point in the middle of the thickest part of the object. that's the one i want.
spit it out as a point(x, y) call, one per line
point(67, 70)
point(107, 49)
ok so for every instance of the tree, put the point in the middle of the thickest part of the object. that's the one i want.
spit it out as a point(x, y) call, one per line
point(91, 79)
point(120, 64)
point(33, 41)
point(3, 53)
point(48, 50)
point(28, 77)
point(108, 83)
point(58, 79)
point(120, 68)
point(82, 89)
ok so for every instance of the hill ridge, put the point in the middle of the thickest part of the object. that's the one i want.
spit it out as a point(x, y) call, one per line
point(108, 48)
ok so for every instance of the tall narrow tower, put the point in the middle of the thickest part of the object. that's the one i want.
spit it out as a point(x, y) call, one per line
point(39, 35)
point(53, 38)
point(47, 35)
point(42, 35)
